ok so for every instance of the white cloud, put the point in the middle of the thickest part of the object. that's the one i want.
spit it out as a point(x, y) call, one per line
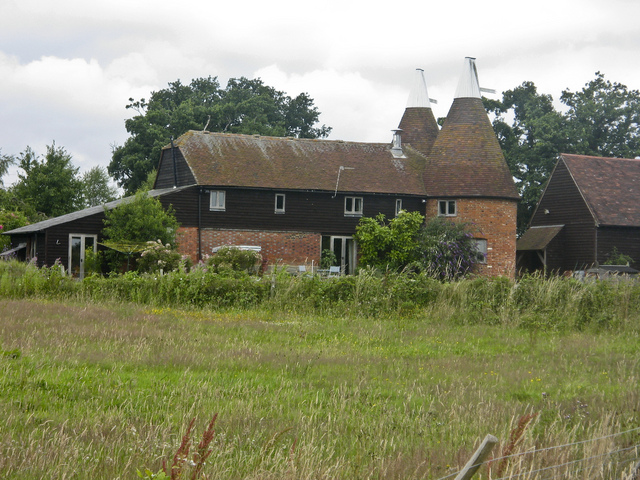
point(68, 67)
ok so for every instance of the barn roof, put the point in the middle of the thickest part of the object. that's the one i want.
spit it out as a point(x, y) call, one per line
point(223, 159)
point(609, 186)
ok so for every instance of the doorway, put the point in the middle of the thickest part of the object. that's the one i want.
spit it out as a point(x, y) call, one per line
point(344, 248)
point(78, 245)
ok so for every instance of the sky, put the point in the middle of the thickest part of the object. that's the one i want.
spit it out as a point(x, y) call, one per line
point(69, 67)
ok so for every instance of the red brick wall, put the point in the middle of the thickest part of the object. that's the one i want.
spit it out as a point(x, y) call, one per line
point(289, 248)
point(493, 220)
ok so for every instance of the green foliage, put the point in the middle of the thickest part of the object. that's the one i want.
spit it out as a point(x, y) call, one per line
point(48, 185)
point(157, 257)
point(95, 188)
point(141, 219)
point(447, 249)
point(618, 258)
point(132, 224)
point(5, 162)
point(231, 259)
point(439, 247)
point(328, 258)
point(532, 134)
point(8, 221)
point(602, 119)
point(244, 106)
point(389, 245)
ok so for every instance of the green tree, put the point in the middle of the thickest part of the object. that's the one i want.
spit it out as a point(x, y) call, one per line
point(140, 219)
point(95, 188)
point(131, 225)
point(48, 185)
point(244, 106)
point(10, 219)
point(388, 245)
point(532, 134)
point(5, 162)
point(603, 119)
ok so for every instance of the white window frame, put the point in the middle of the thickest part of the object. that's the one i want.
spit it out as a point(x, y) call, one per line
point(214, 200)
point(281, 209)
point(398, 206)
point(482, 247)
point(450, 208)
point(356, 209)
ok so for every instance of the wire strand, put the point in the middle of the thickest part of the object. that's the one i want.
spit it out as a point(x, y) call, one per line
point(568, 463)
point(531, 452)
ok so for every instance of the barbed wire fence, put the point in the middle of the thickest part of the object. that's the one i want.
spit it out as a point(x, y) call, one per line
point(621, 462)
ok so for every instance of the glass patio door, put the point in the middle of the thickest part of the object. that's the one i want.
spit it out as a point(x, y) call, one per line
point(344, 248)
point(78, 245)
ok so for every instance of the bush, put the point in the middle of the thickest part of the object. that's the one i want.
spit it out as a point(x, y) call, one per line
point(157, 257)
point(10, 220)
point(232, 259)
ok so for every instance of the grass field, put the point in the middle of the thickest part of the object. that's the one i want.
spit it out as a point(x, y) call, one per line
point(92, 391)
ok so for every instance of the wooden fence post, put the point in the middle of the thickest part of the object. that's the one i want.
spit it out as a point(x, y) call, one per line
point(478, 458)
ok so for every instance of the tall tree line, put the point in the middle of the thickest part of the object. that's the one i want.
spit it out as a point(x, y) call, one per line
point(602, 119)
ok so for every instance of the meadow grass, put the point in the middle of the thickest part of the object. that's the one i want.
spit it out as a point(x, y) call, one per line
point(100, 390)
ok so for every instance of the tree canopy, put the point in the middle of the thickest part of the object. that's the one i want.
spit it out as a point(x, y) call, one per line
point(95, 188)
point(49, 185)
point(243, 106)
point(602, 119)
point(140, 220)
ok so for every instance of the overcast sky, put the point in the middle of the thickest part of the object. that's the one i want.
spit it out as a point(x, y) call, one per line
point(68, 67)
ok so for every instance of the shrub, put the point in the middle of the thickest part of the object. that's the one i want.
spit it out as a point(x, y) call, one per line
point(8, 221)
point(157, 257)
point(232, 259)
point(447, 250)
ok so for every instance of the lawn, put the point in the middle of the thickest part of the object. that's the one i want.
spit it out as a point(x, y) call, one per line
point(92, 391)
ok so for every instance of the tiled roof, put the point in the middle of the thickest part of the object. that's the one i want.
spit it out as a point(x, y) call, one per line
point(466, 159)
point(537, 238)
point(610, 186)
point(222, 159)
point(419, 128)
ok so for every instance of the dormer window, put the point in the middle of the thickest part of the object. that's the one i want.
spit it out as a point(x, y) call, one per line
point(447, 208)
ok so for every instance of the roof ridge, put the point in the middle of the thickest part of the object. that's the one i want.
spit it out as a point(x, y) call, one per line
point(277, 138)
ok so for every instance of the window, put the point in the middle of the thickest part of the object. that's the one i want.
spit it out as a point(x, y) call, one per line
point(353, 206)
point(216, 200)
point(447, 208)
point(279, 203)
point(481, 249)
point(398, 206)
